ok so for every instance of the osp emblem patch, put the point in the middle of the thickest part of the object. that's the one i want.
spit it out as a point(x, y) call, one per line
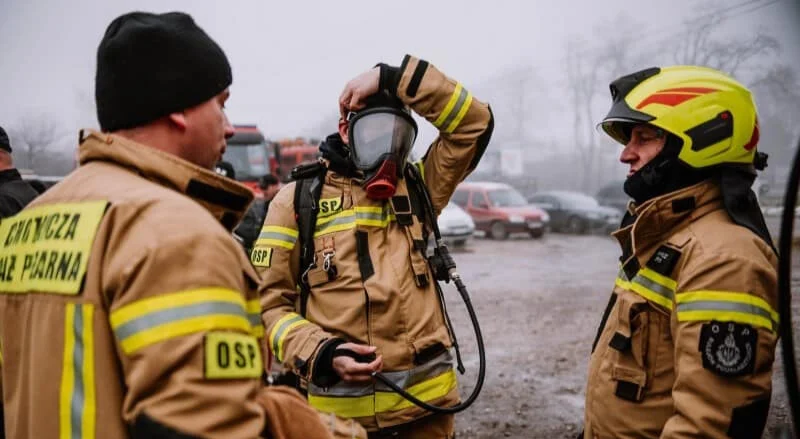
point(728, 348)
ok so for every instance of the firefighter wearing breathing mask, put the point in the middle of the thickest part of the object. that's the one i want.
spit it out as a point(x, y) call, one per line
point(365, 301)
point(686, 345)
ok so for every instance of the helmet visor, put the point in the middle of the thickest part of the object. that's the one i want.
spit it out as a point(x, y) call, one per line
point(618, 129)
point(376, 133)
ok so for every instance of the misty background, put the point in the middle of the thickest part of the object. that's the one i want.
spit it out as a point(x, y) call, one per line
point(543, 66)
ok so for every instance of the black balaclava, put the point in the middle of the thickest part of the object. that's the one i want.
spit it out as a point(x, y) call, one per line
point(337, 154)
point(664, 174)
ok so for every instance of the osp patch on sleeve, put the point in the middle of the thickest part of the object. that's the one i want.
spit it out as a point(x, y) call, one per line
point(728, 348)
point(229, 355)
point(261, 257)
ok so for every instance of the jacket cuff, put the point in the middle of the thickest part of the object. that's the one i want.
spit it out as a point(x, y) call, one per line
point(389, 78)
point(322, 373)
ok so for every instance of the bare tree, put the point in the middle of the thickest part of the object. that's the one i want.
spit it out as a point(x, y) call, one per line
point(37, 132)
point(697, 46)
point(582, 76)
point(589, 71)
point(777, 93)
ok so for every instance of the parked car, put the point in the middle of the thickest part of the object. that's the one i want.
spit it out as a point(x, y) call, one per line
point(613, 195)
point(574, 212)
point(499, 210)
point(455, 225)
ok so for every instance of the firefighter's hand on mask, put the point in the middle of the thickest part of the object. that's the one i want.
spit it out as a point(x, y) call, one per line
point(358, 89)
point(353, 371)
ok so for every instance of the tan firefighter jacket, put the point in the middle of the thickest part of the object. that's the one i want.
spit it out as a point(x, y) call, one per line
point(124, 302)
point(687, 343)
point(382, 293)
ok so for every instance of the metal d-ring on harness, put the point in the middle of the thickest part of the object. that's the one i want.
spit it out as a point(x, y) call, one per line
point(444, 269)
point(785, 293)
point(310, 179)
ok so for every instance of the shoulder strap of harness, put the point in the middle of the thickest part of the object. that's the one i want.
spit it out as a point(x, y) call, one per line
point(416, 185)
point(307, 192)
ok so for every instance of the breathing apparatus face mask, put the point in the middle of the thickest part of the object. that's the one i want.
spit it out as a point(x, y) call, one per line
point(381, 139)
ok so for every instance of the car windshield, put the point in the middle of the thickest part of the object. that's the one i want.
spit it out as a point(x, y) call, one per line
point(578, 201)
point(249, 161)
point(507, 198)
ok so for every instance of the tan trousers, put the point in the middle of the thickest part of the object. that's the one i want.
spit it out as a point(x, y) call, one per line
point(429, 427)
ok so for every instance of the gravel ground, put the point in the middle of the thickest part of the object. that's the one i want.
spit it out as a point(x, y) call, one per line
point(539, 304)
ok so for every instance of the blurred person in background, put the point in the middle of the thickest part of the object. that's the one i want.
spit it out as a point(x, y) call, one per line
point(250, 226)
point(15, 193)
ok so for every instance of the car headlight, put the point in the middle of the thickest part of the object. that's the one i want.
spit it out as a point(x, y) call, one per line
point(516, 219)
point(545, 218)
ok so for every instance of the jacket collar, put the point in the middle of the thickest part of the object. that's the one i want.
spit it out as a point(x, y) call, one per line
point(224, 198)
point(659, 218)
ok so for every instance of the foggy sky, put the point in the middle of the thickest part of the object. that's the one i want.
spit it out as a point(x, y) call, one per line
point(291, 59)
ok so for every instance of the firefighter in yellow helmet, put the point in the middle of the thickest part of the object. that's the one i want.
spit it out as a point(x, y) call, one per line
point(686, 344)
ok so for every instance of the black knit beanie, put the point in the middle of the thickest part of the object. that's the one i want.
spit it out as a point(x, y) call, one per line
point(5, 144)
point(151, 65)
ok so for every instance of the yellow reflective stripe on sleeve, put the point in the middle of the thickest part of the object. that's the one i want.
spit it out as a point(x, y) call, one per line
point(726, 306)
point(464, 108)
point(254, 315)
point(658, 278)
point(652, 286)
point(650, 293)
point(277, 236)
point(77, 406)
point(725, 316)
point(449, 107)
point(281, 329)
point(380, 402)
point(292, 233)
point(152, 320)
point(622, 283)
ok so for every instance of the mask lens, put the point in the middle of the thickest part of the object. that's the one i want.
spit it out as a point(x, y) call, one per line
point(377, 134)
